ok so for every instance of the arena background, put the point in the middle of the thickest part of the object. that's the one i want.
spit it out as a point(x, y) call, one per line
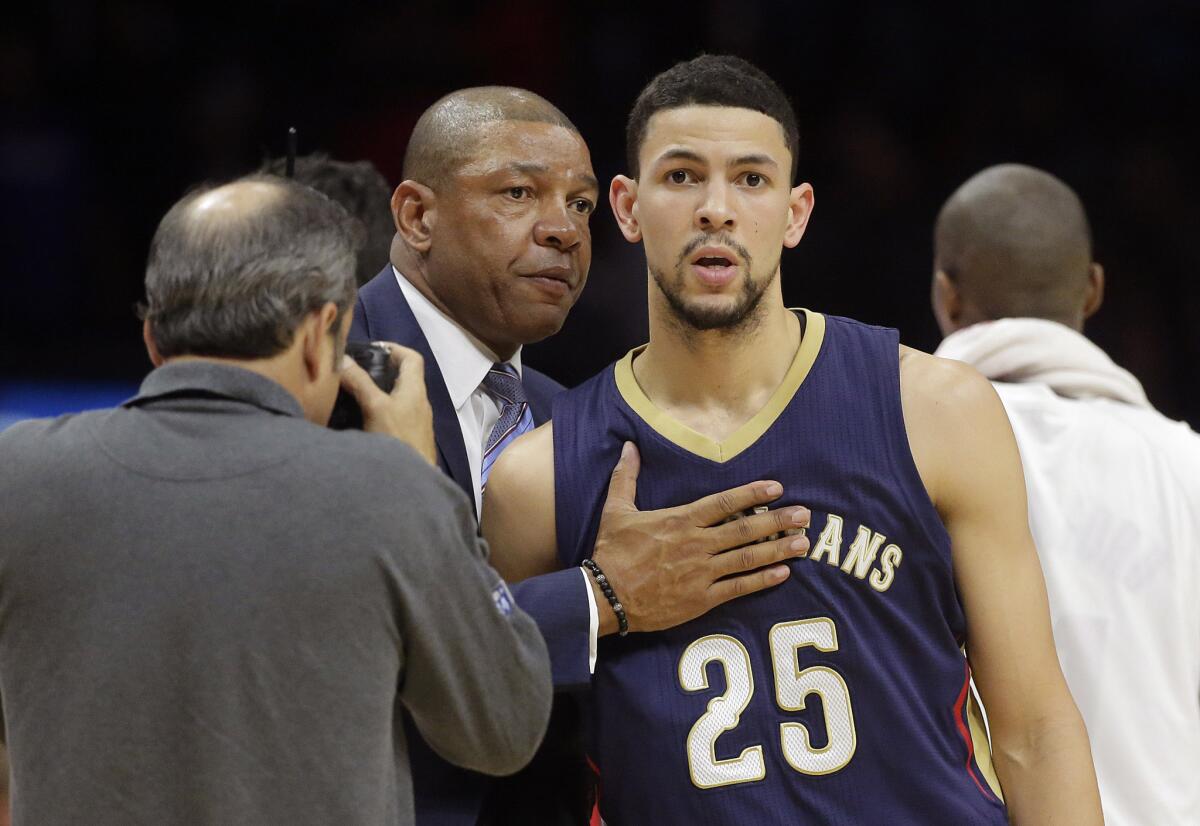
point(110, 110)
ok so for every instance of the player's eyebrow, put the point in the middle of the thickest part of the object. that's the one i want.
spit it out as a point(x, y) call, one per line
point(679, 154)
point(756, 159)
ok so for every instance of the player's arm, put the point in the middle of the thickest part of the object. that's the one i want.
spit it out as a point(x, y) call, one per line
point(518, 507)
point(968, 457)
point(666, 566)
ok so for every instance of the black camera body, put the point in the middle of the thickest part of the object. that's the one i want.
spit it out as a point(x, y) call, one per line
point(377, 362)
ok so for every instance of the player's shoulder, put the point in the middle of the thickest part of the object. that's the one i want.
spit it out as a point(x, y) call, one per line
point(955, 423)
point(950, 411)
point(942, 388)
point(527, 463)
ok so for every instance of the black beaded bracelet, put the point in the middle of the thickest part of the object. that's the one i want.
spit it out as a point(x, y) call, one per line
point(618, 608)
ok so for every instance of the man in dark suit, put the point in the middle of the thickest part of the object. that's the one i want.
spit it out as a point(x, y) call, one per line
point(492, 249)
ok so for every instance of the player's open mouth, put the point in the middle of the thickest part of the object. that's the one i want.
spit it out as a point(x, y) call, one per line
point(714, 267)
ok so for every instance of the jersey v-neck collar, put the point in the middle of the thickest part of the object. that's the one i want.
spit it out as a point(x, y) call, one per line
point(748, 433)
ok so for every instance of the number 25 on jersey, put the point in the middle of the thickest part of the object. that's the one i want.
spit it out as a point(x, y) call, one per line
point(792, 687)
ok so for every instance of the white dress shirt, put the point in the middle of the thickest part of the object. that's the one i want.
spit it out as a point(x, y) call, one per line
point(1114, 506)
point(464, 361)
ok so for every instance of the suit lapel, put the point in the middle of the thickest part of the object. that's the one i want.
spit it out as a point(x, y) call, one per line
point(387, 317)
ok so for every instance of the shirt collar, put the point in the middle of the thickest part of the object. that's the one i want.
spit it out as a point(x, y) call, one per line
point(462, 358)
point(200, 376)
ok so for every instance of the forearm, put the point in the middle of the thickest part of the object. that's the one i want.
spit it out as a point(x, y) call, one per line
point(1047, 774)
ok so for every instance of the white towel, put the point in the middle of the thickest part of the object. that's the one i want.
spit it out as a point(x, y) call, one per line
point(1036, 350)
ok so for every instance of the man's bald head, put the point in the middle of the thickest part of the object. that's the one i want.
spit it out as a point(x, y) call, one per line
point(234, 269)
point(1014, 241)
point(448, 133)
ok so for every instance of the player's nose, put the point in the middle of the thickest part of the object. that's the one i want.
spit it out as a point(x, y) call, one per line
point(716, 209)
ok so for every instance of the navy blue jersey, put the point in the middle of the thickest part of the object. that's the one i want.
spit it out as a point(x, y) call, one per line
point(839, 697)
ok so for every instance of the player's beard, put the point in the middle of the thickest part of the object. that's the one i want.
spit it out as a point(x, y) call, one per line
point(735, 317)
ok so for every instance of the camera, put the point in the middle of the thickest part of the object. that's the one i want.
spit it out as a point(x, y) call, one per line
point(376, 360)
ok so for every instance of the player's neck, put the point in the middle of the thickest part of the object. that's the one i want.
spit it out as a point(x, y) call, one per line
point(714, 381)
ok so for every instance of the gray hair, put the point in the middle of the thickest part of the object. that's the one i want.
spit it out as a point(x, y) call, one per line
point(234, 270)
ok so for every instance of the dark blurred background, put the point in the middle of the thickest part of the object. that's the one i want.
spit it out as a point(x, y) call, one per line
point(109, 111)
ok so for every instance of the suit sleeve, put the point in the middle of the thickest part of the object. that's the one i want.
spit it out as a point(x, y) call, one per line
point(476, 673)
point(558, 602)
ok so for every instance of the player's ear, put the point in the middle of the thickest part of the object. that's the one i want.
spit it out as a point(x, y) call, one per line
point(414, 211)
point(946, 301)
point(151, 345)
point(622, 197)
point(800, 206)
point(1095, 291)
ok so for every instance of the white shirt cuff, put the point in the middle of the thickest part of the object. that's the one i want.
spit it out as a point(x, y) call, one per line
point(593, 622)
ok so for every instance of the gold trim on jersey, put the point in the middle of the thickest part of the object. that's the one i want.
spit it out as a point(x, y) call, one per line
point(982, 745)
point(748, 433)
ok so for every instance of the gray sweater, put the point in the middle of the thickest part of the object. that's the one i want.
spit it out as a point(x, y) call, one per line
point(211, 611)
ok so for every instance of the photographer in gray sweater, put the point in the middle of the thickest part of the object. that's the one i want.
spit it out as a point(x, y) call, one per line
point(212, 608)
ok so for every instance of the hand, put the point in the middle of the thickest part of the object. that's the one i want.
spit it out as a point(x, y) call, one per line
point(669, 566)
point(405, 412)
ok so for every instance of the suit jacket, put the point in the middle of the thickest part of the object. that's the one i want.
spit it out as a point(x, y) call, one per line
point(446, 795)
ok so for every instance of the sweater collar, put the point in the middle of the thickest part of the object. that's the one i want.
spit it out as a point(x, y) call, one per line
point(210, 378)
point(1026, 350)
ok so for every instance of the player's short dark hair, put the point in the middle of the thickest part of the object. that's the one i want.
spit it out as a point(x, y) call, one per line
point(359, 187)
point(711, 80)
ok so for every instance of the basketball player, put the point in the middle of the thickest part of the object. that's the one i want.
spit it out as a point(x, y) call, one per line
point(842, 696)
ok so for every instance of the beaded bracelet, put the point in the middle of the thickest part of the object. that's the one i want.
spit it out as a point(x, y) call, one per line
point(602, 581)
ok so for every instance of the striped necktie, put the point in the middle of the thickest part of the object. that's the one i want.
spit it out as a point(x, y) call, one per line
point(503, 384)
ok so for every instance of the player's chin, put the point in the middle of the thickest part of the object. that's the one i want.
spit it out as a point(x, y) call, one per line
point(722, 303)
point(712, 311)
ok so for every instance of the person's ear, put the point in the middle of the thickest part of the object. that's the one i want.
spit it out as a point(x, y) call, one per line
point(800, 206)
point(317, 338)
point(1094, 295)
point(947, 302)
point(622, 197)
point(151, 345)
point(414, 211)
